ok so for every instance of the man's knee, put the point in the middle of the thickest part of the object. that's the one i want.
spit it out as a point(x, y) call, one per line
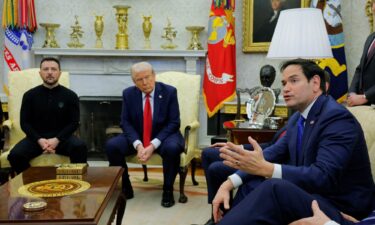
point(79, 144)
point(276, 186)
point(111, 146)
point(16, 154)
point(12, 157)
point(209, 153)
point(215, 168)
point(171, 149)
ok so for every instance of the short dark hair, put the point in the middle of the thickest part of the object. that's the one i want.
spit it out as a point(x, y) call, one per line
point(50, 59)
point(309, 68)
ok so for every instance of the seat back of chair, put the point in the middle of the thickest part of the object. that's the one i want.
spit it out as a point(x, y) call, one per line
point(188, 88)
point(18, 83)
point(366, 117)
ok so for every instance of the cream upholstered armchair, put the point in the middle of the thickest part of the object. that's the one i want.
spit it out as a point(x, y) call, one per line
point(188, 90)
point(366, 117)
point(19, 82)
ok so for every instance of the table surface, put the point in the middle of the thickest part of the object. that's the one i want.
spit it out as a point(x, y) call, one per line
point(93, 206)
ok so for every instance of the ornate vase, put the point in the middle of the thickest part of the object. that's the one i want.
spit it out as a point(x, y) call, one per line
point(99, 27)
point(147, 27)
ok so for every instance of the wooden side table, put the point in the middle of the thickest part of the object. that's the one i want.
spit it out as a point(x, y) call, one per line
point(240, 132)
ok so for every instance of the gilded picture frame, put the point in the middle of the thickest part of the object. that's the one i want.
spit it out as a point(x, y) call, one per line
point(259, 21)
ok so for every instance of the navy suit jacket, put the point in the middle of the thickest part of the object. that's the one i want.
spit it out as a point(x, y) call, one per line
point(165, 117)
point(364, 77)
point(334, 162)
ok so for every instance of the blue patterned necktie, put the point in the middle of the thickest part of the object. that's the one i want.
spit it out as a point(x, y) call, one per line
point(301, 126)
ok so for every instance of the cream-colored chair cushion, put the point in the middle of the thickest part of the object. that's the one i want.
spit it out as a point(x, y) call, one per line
point(19, 82)
point(188, 90)
point(366, 117)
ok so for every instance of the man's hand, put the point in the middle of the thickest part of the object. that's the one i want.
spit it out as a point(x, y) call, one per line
point(148, 151)
point(218, 145)
point(53, 143)
point(354, 99)
point(251, 162)
point(222, 197)
point(140, 152)
point(43, 143)
point(318, 218)
point(144, 154)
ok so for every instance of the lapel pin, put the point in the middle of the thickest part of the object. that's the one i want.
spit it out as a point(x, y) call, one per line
point(312, 122)
point(160, 96)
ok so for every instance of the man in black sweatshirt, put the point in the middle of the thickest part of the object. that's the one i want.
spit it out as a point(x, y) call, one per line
point(49, 116)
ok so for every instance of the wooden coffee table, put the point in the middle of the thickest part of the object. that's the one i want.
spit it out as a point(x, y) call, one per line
point(95, 206)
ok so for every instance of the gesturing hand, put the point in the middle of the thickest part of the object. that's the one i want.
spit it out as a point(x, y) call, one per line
point(251, 162)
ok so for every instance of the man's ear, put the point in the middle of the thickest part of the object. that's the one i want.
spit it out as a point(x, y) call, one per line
point(316, 83)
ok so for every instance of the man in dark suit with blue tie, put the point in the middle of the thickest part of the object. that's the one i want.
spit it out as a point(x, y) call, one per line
point(157, 131)
point(362, 88)
point(323, 156)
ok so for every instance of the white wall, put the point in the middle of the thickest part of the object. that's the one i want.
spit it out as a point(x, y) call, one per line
point(182, 13)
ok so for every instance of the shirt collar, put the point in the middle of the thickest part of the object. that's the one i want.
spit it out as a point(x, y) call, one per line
point(151, 94)
point(305, 112)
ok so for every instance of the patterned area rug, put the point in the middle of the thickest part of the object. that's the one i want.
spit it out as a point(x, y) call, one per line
point(145, 207)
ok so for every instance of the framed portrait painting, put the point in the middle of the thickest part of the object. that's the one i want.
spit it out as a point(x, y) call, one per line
point(259, 21)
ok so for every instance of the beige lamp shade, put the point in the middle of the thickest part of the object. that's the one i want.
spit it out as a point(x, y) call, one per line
point(300, 33)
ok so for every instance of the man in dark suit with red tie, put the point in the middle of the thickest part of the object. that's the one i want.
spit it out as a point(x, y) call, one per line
point(323, 156)
point(362, 88)
point(150, 121)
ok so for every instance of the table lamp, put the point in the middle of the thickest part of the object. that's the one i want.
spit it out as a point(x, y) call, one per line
point(300, 33)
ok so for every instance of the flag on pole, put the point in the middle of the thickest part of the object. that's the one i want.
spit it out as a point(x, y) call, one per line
point(18, 22)
point(219, 83)
point(335, 66)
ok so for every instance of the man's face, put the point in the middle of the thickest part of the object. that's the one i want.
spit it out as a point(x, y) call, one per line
point(298, 92)
point(276, 4)
point(50, 73)
point(144, 81)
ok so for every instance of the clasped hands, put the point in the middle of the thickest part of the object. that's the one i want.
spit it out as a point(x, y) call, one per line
point(48, 145)
point(355, 99)
point(144, 154)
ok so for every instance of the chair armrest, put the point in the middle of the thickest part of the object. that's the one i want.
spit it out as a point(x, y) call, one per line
point(192, 127)
point(7, 126)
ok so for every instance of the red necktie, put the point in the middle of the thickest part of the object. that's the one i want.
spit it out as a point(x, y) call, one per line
point(147, 122)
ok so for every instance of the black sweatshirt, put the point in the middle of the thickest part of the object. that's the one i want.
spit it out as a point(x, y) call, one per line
point(48, 113)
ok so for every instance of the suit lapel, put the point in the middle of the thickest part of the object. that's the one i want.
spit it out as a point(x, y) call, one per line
point(138, 103)
point(310, 123)
point(157, 99)
point(366, 49)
